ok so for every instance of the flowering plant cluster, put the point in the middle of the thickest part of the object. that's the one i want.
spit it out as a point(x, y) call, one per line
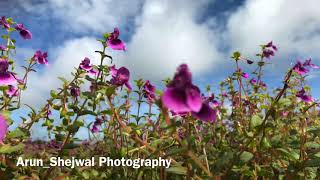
point(242, 130)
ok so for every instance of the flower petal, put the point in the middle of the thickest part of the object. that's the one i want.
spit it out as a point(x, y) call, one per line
point(116, 44)
point(175, 100)
point(6, 78)
point(3, 128)
point(206, 113)
point(194, 99)
point(26, 34)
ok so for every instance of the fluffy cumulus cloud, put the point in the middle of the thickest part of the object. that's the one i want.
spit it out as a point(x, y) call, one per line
point(292, 24)
point(86, 15)
point(167, 35)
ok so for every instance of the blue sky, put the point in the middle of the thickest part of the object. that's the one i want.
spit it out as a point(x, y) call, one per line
point(161, 34)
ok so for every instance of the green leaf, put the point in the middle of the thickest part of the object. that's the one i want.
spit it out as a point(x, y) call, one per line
point(312, 145)
point(246, 156)
point(289, 153)
point(16, 133)
point(313, 163)
point(7, 148)
point(255, 121)
point(174, 169)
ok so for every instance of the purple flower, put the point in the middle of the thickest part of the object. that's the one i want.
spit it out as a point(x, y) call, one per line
point(206, 113)
point(181, 96)
point(75, 91)
point(4, 22)
point(114, 42)
point(262, 84)
point(245, 75)
point(41, 58)
point(148, 91)
point(269, 50)
point(308, 63)
point(12, 91)
point(96, 123)
point(3, 128)
point(270, 45)
point(306, 98)
point(85, 65)
point(120, 76)
point(253, 81)
point(215, 103)
point(25, 34)
point(300, 68)
point(6, 77)
point(3, 48)
point(267, 53)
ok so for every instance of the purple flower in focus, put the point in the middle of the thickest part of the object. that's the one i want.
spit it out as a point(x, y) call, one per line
point(302, 95)
point(41, 58)
point(3, 128)
point(120, 76)
point(12, 91)
point(25, 34)
point(6, 77)
point(181, 96)
point(148, 91)
point(114, 42)
point(4, 22)
point(85, 65)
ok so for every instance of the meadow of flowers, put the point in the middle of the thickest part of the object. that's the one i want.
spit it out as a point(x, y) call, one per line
point(243, 130)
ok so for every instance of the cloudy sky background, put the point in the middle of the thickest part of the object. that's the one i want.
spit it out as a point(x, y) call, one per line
point(161, 34)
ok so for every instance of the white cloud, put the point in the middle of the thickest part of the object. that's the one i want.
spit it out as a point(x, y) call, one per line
point(292, 24)
point(87, 15)
point(167, 35)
